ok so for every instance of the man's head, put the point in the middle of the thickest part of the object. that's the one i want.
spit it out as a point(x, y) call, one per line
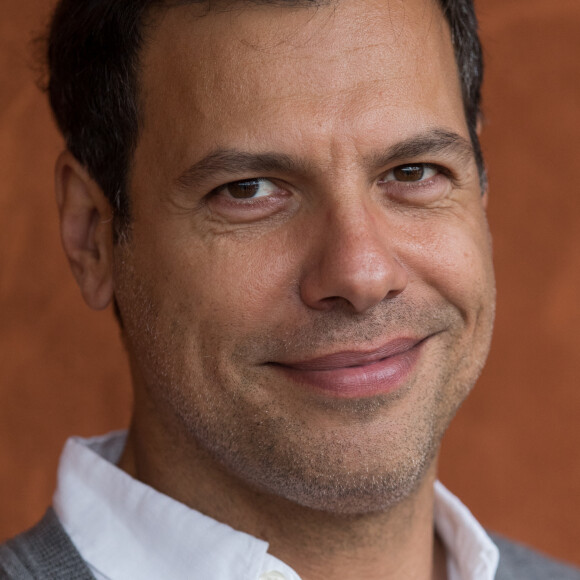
point(307, 291)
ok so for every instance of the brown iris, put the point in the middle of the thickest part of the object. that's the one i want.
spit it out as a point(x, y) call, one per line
point(244, 189)
point(409, 172)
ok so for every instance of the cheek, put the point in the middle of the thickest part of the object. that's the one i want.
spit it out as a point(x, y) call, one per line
point(229, 286)
point(453, 257)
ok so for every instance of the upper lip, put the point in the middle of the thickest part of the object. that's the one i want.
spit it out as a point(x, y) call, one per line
point(353, 358)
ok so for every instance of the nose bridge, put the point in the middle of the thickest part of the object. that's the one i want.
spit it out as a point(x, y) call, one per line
point(357, 236)
point(354, 258)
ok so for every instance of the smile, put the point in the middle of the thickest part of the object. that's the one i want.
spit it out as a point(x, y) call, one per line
point(357, 374)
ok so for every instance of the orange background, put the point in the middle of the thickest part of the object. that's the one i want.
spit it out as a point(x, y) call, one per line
point(512, 454)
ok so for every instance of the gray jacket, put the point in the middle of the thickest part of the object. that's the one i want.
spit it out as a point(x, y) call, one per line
point(46, 553)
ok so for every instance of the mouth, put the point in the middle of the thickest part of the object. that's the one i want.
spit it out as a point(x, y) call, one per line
point(356, 374)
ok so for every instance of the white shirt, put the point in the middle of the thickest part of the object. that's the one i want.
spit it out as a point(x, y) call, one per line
point(125, 530)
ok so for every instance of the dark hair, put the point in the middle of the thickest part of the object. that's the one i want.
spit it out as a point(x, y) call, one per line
point(93, 62)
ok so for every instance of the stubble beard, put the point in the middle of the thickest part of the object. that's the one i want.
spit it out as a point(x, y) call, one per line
point(378, 460)
point(274, 450)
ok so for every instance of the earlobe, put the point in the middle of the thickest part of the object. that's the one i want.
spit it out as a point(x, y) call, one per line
point(479, 125)
point(484, 199)
point(86, 230)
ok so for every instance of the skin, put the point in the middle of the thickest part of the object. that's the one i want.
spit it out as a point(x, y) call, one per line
point(218, 293)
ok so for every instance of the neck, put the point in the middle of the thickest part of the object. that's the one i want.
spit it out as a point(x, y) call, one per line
point(396, 543)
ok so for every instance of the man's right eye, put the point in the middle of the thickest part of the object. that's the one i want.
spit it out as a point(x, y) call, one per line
point(248, 200)
point(248, 189)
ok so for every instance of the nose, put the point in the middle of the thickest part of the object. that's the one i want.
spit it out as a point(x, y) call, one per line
point(353, 261)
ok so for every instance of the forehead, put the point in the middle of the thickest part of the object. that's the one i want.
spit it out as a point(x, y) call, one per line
point(255, 72)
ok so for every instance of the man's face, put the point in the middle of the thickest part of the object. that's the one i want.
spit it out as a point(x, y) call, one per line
point(307, 291)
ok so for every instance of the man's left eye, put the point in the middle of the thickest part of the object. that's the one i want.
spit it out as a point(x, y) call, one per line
point(413, 173)
point(248, 188)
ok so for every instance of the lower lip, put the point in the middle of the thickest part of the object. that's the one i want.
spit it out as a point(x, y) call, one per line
point(377, 378)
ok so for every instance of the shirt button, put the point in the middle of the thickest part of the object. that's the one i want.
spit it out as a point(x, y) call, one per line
point(273, 575)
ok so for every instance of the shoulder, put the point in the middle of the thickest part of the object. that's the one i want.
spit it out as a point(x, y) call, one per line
point(43, 552)
point(517, 562)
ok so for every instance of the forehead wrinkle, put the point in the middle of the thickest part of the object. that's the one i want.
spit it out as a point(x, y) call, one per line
point(270, 50)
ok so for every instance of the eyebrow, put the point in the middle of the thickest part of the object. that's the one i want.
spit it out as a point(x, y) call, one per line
point(433, 142)
point(232, 161)
point(236, 162)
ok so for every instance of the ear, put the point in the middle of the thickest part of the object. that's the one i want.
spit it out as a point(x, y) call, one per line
point(86, 228)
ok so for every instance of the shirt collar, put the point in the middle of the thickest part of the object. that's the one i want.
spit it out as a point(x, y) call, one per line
point(114, 519)
point(470, 551)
